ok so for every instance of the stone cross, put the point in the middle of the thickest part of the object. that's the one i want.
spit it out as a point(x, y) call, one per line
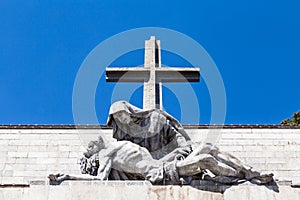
point(152, 74)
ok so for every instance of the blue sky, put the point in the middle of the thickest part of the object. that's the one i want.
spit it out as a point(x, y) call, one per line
point(255, 45)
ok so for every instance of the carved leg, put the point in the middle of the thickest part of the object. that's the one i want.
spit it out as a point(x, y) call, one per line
point(194, 165)
point(245, 170)
point(248, 172)
point(226, 158)
point(235, 163)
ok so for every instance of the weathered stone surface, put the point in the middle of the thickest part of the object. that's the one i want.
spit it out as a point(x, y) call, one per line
point(142, 190)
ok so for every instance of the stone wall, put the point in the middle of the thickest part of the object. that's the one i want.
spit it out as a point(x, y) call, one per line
point(27, 156)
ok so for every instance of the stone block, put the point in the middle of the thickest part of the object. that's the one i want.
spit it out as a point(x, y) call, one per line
point(46, 160)
point(26, 160)
point(231, 135)
point(55, 154)
point(12, 181)
point(67, 160)
point(237, 130)
point(7, 173)
point(64, 148)
point(17, 154)
point(274, 166)
point(55, 168)
point(19, 167)
point(7, 136)
point(271, 136)
point(32, 136)
point(64, 142)
point(36, 167)
point(11, 148)
point(39, 142)
point(255, 160)
point(63, 136)
point(19, 173)
point(291, 136)
point(73, 167)
point(37, 154)
point(19, 142)
point(75, 148)
point(10, 160)
point(237, 142)
point(52, 148)
point(286, 154)
point(231, 148)
point(46, 136)
point(291, 147)
point(252, 136)
point(29, 173)
point(75, 155)
point(62, 154)
point(3, 154)
point(269, 142)
point(4, 142)
point(253, 148)
point(276, 160)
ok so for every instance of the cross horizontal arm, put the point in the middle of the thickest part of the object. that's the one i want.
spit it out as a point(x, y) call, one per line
point(163, 74)
point(177, 74)
point(127, 74)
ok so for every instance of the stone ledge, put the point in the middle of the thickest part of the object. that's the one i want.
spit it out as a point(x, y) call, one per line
point(142, 190)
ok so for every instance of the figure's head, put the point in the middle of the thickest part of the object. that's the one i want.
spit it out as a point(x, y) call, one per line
point(122, 117)
point(94, 147)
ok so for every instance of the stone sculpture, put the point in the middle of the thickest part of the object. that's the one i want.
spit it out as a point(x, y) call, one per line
point(152, 145)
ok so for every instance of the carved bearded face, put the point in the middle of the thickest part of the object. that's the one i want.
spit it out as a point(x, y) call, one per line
point(94, 147)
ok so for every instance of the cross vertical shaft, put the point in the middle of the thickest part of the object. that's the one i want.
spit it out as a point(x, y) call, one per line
point(152, 89)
